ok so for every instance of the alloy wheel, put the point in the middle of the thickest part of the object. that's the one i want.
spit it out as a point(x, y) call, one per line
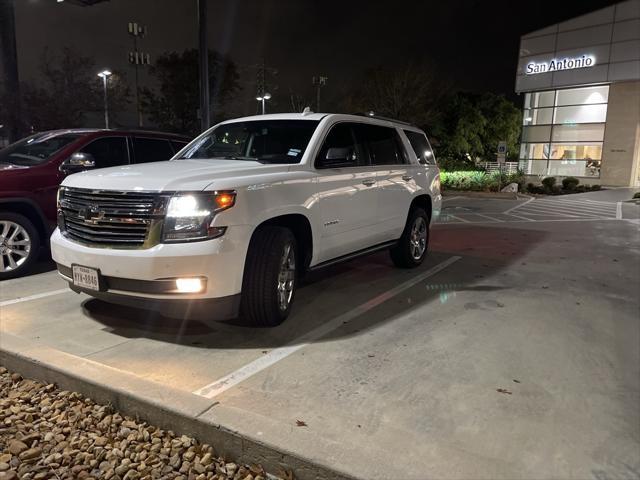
point(15, 245)
point(286, 277)
point(418, 238)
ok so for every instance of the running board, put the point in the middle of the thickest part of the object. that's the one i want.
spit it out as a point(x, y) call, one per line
point(350, 256)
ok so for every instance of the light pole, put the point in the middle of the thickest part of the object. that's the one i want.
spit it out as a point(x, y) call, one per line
point(104, 75)
point(263, 98)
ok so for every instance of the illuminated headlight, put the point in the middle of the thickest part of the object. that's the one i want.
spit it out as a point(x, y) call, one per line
point(189, 217)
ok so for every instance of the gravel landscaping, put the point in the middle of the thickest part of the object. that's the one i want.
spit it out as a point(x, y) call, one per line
point(47, 433)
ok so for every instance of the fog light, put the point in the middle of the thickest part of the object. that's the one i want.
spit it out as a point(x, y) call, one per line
point(189, 285)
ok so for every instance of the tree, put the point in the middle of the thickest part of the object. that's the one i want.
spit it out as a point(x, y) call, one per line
point(470, 126)
point(409, 93)
point(174, 105)
point(68, 89)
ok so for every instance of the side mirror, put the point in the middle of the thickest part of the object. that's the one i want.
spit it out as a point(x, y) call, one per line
point(77, 162)
point(339, 157)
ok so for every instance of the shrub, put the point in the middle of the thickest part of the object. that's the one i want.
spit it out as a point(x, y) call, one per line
point(479, 181)
point(556, 190)
point(530, 187)
point(570, 183)
point(549, 182)
point(581, 188)
point(636, 195)
point(595, 187)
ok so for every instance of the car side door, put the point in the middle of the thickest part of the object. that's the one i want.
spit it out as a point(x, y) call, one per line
point(394, 175)
point(347, 193)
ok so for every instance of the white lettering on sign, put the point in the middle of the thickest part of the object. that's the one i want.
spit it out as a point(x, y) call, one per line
point(557, 64)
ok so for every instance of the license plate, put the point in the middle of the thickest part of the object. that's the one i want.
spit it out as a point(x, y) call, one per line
point(86, 277)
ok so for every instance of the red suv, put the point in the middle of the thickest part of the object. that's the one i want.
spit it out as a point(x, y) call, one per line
point(32, 168)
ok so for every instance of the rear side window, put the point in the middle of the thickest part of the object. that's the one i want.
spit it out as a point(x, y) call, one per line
point(421, 147)
point(108, 151)
point(383, 144)
point(178, 145)
point(340, 149)
point(151, 150)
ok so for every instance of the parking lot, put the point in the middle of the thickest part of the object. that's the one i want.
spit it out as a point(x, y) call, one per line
point(513, 352)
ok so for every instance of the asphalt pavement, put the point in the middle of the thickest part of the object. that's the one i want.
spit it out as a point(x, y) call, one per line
point(513, 352)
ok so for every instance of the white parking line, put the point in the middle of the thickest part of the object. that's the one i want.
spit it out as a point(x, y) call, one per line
point(225, 383)
point(619, 211)
point(520, 205)
point(495, 220)
point(34, 297)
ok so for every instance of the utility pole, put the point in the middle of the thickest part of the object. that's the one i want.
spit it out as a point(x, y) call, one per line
point(205, 114)
point(319, 82)
point(10, 78)
point(138, 58)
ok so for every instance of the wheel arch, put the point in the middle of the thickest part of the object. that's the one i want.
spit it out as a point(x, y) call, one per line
point(29, 209)
point(300, 226)
point(423, 201)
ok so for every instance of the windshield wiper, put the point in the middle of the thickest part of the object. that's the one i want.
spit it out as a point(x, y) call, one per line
point(241, 157)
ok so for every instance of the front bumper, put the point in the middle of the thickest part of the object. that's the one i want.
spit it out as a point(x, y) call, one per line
point(144, 273)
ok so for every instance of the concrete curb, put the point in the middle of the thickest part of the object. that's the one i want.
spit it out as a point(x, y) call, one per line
point(487, 195)
point(89, 378)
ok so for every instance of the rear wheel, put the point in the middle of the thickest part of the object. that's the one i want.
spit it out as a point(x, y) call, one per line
point(270, 278)
point(19, 245)
point(411, 249)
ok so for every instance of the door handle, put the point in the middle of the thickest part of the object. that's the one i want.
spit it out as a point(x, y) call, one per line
point(369, 182)
point(407, 178)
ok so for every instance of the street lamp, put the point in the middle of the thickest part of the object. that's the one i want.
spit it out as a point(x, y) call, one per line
point(262, 98)
point(104, 75)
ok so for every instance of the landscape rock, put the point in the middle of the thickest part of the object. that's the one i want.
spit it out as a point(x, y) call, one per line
point(46, 433)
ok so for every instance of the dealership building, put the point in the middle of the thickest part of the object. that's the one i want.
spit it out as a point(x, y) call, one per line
point(580, 80)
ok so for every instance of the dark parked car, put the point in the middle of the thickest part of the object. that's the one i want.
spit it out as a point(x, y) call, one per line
point(32, 168)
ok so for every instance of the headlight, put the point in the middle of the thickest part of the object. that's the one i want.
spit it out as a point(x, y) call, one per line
point(189, 217)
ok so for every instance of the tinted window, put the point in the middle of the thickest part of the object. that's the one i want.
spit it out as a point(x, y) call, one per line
point(108, 151)
point(266, 141)
point(383, 144)
point(340, 149)
point(178, 145)
point(421, 147)
point(151, 150)
point(36, 149)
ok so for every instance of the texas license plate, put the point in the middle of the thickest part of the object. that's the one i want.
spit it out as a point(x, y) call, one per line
point(86, 277)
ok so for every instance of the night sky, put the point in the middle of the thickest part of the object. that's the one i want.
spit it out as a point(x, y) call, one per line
point(472, 44)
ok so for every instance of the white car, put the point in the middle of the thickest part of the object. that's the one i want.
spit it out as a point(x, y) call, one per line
point(227, 226)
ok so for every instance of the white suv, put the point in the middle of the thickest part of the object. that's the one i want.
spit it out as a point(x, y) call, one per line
point(226, 227)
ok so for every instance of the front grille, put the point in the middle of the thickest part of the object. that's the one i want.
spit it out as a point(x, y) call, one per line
point(110, 218)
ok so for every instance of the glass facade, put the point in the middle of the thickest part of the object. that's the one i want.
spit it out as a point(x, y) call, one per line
point(563, 132)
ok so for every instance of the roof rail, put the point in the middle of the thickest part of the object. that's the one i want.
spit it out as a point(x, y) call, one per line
point(373, 115)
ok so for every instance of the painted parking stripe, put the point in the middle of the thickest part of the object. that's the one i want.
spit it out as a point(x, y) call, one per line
point(520, 217)
point(558, 210)
point(583, 208)
point(34, 297)
point(496, 220)
point(520, 205)
point(619, 210)
point(228, 381)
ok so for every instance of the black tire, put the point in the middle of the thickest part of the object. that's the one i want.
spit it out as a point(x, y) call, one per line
point(30, 233)
point(402, 254)
point(260, 305)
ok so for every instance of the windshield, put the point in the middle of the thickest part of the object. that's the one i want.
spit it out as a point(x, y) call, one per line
point(36, 149)
point(265, 141)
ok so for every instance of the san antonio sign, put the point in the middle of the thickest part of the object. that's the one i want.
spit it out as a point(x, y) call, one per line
point(555, 65)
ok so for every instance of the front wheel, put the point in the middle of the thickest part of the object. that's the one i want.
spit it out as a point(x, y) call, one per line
point(411, 249)
point(270, 278)
point(19, 245)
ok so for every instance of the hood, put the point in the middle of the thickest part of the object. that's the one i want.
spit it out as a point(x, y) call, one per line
point(4, 167)
point(192, 175)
